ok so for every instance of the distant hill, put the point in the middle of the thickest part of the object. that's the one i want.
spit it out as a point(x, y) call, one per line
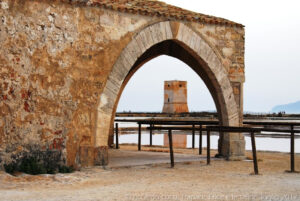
point(292, 108)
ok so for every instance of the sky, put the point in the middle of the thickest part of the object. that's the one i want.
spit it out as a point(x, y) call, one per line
point(272, 59)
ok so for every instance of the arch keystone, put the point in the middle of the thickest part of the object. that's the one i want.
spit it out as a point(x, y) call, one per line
point(174, 28)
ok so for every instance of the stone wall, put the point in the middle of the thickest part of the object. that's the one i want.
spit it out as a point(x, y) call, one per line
point(55, 58)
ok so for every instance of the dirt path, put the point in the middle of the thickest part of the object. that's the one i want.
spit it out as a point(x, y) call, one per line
point(222, 180)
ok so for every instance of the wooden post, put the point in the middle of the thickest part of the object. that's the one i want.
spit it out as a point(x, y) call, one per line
point(193, 137)
point(117, 136)
point(292, 149)
point(150, 134)
point(254, 153)
point(139, 137)
point(200, 139)
point(208, 147)
point(171, 148)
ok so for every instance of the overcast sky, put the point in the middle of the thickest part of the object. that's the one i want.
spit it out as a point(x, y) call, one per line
point(272, 59)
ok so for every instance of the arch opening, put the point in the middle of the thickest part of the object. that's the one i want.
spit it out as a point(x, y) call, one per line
point(173, 49)
point(197, 54)
point(147, 91)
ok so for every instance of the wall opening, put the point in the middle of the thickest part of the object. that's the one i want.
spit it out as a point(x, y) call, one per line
point(145, 89)
point(199, 56)
point(144, 92)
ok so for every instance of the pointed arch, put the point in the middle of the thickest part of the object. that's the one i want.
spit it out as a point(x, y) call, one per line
point(173, 39)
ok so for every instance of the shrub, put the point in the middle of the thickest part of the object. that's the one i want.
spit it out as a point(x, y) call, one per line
point(34, 166)
point(65, 169)
point(10, 168)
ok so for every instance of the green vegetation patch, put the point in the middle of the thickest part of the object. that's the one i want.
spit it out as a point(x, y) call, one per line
point(38, 163)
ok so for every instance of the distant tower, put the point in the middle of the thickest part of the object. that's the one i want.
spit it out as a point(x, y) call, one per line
point(175, 101)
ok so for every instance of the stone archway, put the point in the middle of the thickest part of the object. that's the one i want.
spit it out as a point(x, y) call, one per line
point(169, 38)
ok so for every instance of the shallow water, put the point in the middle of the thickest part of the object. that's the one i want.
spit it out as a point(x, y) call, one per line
point(262, 143)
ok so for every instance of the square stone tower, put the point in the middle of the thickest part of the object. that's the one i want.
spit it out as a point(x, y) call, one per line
point(175, 97)
point(175, 101)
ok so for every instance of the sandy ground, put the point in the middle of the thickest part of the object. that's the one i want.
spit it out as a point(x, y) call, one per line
point(222, 180)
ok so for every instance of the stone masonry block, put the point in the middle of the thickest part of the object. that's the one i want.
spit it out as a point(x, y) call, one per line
point(86, 156)
point(101, 155)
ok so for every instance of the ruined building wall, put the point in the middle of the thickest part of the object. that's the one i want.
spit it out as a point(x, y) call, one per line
point(55, 58)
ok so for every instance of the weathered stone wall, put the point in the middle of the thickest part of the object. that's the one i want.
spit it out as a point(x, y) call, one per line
point(55, 58)
point(229, 43)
